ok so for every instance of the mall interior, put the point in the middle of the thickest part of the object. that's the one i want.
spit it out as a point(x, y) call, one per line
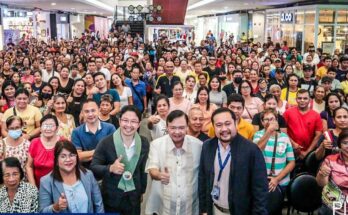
point(133, 107)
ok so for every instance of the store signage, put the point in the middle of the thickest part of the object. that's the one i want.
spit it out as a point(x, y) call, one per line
point(286, 17)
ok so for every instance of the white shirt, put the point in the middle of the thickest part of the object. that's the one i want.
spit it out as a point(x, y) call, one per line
point(130, 150)
point(106, 72)
point(46, 76)
point(159, 130)
point(180, 196)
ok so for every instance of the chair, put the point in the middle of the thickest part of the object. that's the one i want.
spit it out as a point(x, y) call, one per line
point(275, 201)
point(312, 164)
point(304, 193)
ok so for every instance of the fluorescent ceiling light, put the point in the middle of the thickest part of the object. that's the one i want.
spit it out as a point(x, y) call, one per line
point(199, 4)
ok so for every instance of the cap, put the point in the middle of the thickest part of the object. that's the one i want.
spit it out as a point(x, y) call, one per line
point(307, 67)
point(277, 59)
point(134, 54)
point(326, 79)
point(279, 70)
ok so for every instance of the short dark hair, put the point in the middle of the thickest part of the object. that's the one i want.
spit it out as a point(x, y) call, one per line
point(69, 146)
point(176, 83)
point(176, 114)
point(267, 111)
point(235, 97)
point(130, 108)
point(161, 97)
point(218, 79)
point(223, 110)
point(21, 91)
point(97, 74)
point(10, 162)
point(332, 69)
point(49, 116)
point(90, 100)
point(13, 118)
point(302, 91)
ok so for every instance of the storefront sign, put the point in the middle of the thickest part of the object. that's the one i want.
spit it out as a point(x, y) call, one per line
point(286, 17)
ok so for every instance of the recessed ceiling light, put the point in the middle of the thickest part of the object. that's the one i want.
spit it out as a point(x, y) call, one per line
point(53, 3)
point(94, 11)
point(225, 7)
point(72, 8)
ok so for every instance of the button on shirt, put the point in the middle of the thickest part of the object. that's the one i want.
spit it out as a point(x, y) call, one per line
point(225, 176)
point(180, 196)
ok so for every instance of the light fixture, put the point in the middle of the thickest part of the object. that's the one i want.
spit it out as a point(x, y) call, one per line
point(159, 7)
point(151, 8)
point(159, 19)
point(101, 5)
point(53, 4)
point(140, 8)
point(131, 8)
point(140, 18)
point(199, 4)
point(131, 18)
point(150, 18)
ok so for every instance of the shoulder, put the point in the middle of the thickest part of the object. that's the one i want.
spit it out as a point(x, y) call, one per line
point(47, 179)
point(208, 144)
point(161, 77)
point(193, 140)
point(29, 188)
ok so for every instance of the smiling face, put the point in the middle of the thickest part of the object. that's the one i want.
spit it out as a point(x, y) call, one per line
point(177, 130)
point(67, 161)
point(129, 123)
point(225, 127)
point(48, 128)
point(59, 105)
point(196, 118)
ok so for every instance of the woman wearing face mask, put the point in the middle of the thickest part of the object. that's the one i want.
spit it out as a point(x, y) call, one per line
point(15, 145)
point(31, 115)
point(44, 100)
point(271, 102)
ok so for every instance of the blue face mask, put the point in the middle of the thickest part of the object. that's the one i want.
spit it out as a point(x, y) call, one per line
point(15, 134)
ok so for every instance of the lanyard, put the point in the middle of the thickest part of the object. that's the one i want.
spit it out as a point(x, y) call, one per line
point(222, 165)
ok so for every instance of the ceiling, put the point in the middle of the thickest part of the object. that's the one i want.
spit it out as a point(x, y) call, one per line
point(105, 8)
point(223, 6)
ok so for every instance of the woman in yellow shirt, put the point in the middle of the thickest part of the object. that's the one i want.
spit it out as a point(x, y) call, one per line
point(289, 94)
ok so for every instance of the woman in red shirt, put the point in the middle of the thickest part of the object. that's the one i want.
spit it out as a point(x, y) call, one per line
point(41, 150)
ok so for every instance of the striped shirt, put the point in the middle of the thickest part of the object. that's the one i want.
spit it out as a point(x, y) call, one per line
point(284, 154)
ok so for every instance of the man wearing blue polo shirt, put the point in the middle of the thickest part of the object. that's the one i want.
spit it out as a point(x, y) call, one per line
point(138, 90)
point(86, 136)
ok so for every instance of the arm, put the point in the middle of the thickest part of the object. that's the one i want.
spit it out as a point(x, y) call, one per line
point(116, 108)
point(130, 100)
point(320, 151)
point(314, 142)
point(324, 173)
point(29, 167)
point(46, 196)
point(3, 129)
point(325, 127)
point(288, 168)
point(263, 140)
point(36, 131)
point(85, 156)
point(97, 202)
point(259, 183)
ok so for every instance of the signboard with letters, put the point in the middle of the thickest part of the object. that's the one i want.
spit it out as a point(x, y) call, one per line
point(287, 17)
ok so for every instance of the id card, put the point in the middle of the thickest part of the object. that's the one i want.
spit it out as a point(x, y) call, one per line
point(215, 193)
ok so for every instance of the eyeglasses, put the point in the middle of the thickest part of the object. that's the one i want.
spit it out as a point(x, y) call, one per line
point(70, 156)
point(245, 87)
point(48, 126)
point(268, 119)
point(131, 122)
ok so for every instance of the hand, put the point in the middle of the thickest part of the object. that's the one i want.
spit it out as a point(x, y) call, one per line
point(117, 167)
point(324, 170)
point(273, 126)
point(327, 144)
point(154, 119)
point(50, 104)
point(164, 176)
point(62, 203)
point(26, 136)
point(303, 154)
point(70, 99)
point(273, 183)
point(297, 147)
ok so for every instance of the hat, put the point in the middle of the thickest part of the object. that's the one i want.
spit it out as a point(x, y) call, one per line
point(326, 79)
point(277, 59)
point(279, 70)
point(307, 67)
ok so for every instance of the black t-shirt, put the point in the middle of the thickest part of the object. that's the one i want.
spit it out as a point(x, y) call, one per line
point(68, 88)
point(112, 120)
point(166, 85)
point(37, 89)
point(229, 89)
point(211, 72)
point(341, 75)
point(257, 121)
point(74, 108)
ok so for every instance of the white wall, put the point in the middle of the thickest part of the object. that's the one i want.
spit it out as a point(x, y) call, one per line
point(77, 24)
point(258, 27)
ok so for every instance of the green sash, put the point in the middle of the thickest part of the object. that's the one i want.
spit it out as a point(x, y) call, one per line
point(130, 165)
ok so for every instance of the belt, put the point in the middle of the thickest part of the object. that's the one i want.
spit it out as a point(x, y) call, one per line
point(223, 210)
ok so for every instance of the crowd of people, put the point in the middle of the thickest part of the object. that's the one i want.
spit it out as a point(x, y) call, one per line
point(128, 126)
